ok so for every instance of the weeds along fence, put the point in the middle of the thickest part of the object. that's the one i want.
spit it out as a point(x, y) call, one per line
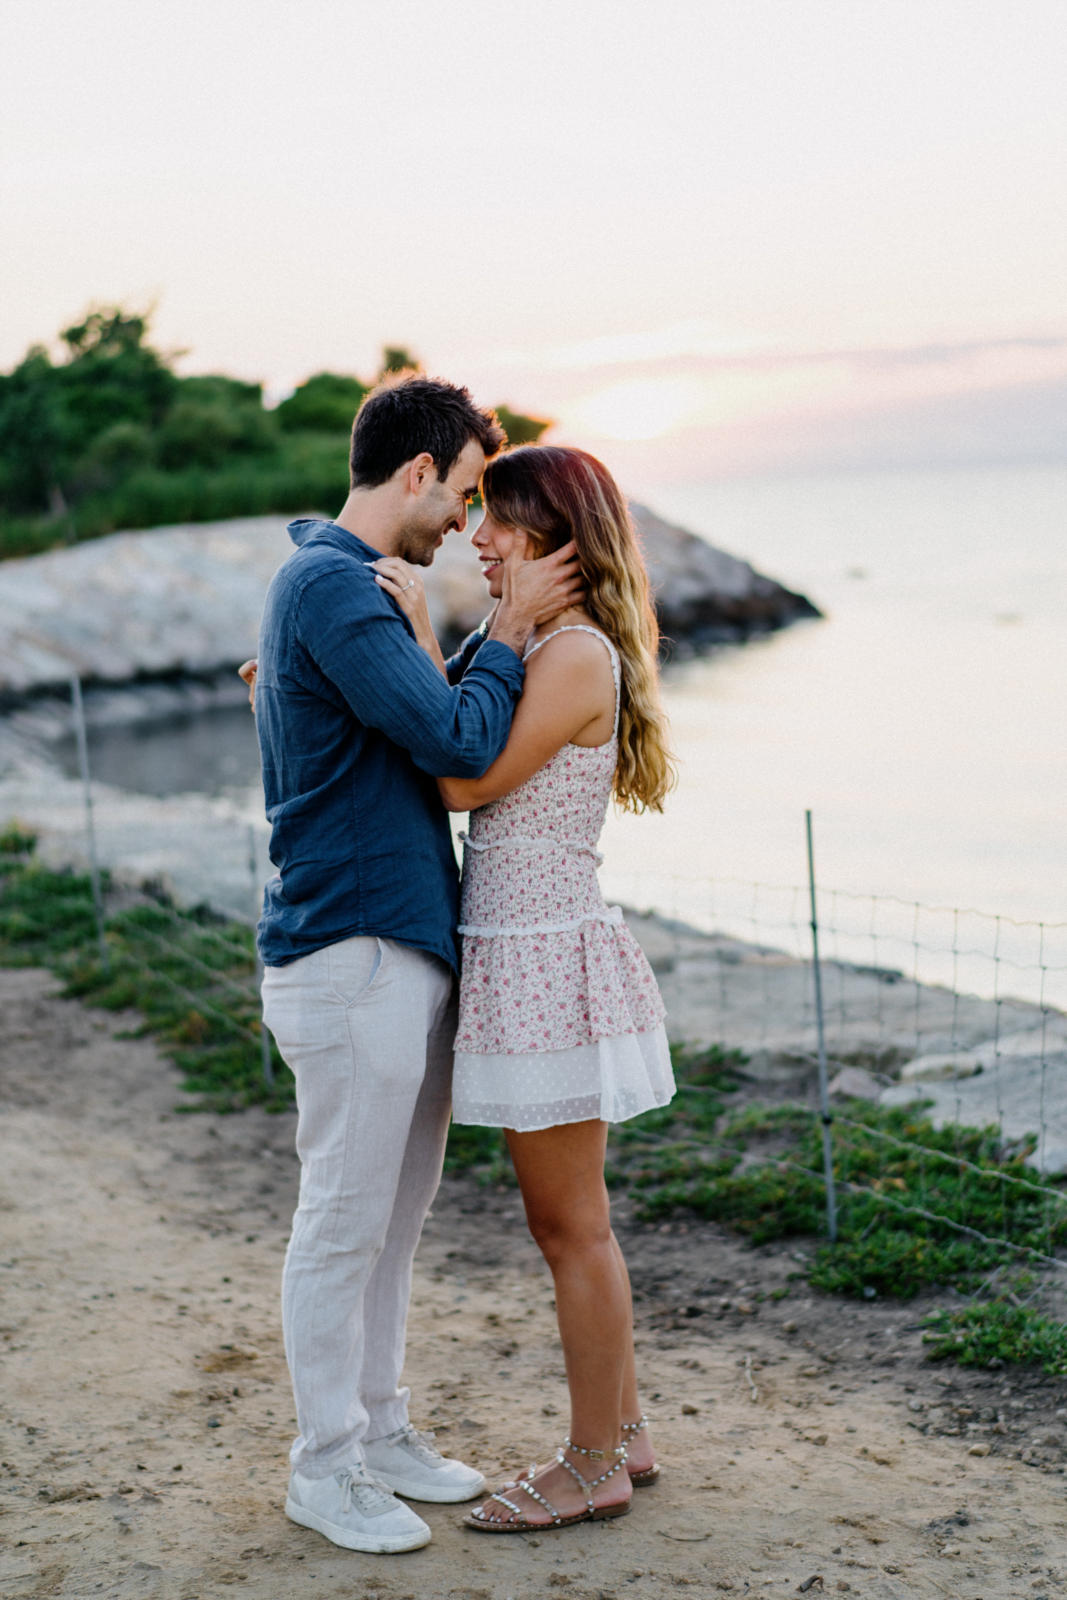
point(846, 1010)
point(852, 1003)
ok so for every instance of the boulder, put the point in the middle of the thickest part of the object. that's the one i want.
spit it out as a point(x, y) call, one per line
point(855, 1083)
point(703, 596)
point(187, 600)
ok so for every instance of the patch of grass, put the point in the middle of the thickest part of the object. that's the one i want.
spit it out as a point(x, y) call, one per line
point(902, 1183)
point(44, 916)
point(191, 976)
point(761, 1172)
point(481, 1151)
point(302, 470)
point(996, 1331)
point(15, 840)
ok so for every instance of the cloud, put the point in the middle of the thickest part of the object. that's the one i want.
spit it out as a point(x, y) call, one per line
point(696, 347)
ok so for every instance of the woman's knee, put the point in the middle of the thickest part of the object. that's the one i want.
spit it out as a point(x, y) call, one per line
point(559, 1233)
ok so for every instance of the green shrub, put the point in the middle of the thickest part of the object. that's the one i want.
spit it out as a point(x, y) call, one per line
point(326, 403)
point(992, 1332)
point(757, 1169)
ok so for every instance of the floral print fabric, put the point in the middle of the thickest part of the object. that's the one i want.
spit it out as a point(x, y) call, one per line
point(555, 989)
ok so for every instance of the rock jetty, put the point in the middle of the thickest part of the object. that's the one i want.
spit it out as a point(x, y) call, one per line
point(187, 600)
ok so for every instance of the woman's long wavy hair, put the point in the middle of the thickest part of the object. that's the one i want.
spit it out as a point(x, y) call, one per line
point(554, 494)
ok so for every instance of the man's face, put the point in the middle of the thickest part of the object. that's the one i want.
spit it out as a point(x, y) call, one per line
point(441, 507)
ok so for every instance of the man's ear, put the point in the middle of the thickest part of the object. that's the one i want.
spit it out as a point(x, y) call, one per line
point(419, 471)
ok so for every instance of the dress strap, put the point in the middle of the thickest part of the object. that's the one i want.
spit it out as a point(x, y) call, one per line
point(616, 668)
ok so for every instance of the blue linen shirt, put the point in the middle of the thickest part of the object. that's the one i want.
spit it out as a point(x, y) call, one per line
point(354, 724)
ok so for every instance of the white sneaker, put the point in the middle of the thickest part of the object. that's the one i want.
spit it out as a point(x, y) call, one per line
point(355, 1511)
point(406, 1462)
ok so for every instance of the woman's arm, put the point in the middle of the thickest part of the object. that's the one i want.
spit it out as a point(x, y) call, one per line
point(569, 690)
point(404, 582)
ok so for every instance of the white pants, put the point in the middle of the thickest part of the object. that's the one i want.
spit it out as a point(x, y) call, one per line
point(366, 1026)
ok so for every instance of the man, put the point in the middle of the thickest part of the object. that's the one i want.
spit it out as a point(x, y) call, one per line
point(358, 931)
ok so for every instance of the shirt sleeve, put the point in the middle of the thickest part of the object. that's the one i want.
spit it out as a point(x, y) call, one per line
point(456, 666)
point(359, 641)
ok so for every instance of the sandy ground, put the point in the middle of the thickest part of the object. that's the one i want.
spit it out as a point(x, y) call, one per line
point(806, 1445)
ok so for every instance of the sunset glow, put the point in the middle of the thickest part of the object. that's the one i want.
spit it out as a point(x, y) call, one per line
point(640, 408)
point(722, 218)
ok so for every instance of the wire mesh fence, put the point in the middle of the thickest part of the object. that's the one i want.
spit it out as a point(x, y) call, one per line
point(837, 1001)
point(946, 1012)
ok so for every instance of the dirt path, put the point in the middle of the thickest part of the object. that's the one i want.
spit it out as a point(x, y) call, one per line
point(147, 1411)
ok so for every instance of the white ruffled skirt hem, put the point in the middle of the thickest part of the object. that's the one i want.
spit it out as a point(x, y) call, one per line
point(611, 1080)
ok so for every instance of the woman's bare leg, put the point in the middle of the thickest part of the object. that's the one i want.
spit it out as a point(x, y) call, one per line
point(640, 1455)
point(561, 1176)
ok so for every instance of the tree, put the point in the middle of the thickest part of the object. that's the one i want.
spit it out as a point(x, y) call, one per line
point(33, 434)
point(213, 419)
point(326, 403)
point(111, 375)
point(521, 429)
point(397, 358)
point(108, 436)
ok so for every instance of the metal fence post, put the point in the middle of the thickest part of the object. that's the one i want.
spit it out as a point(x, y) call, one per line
point(80, 735)
point(824, 1093)
point(264, 1032)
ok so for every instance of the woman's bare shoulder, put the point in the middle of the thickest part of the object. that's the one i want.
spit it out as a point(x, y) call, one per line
point(574, 666)
point(575, 645)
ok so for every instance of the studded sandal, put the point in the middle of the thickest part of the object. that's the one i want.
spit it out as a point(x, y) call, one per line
point(642, 1479)
point(519, 1523)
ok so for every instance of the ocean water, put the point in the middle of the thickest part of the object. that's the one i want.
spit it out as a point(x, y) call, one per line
point(923, 722)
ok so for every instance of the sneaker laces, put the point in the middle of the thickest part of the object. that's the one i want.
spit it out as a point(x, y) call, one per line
point(420, 1444)
point(364, 1492)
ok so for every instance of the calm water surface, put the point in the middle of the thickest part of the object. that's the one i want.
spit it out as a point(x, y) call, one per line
point(924, 722)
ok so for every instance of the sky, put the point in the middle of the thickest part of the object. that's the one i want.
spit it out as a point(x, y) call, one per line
point(709, 239)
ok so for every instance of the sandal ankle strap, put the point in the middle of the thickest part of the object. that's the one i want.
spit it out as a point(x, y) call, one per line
point(587, 1485)
point(634, 1428)
point(593, 1455)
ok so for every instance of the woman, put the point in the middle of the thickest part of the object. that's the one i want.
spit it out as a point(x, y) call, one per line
point(561, 1023)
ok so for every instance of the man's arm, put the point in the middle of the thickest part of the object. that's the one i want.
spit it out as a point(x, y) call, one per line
point(456, 665)
point(358, 641)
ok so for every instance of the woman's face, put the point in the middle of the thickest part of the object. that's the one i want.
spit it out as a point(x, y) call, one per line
point(494, 542)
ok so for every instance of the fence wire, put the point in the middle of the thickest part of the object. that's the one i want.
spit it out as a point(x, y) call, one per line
point(949, 1008)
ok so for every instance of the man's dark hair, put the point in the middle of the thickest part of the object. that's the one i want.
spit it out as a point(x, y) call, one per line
point(408, 414)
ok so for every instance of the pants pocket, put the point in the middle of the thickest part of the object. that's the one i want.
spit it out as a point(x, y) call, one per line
point(355, 967)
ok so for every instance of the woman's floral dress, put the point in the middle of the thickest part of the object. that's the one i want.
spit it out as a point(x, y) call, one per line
point(560, 1019)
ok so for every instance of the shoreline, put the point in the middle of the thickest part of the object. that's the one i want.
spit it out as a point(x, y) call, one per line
point(888, 1038)
point(147, 606)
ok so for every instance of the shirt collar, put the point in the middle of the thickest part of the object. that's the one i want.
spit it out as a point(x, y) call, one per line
point(304, 529)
